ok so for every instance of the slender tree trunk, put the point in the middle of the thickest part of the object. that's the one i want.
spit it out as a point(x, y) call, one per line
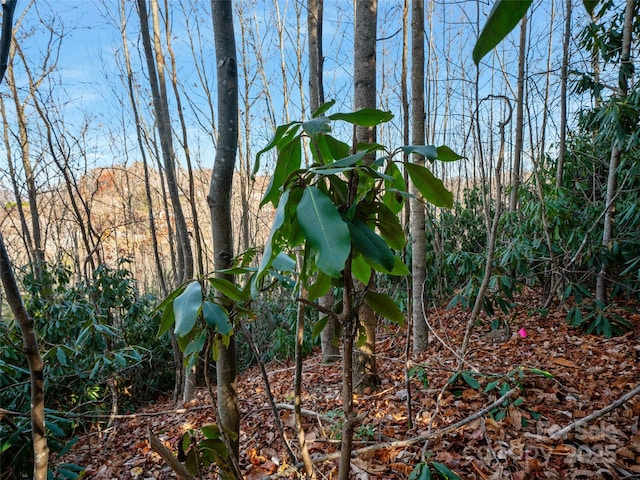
point(418, 235)
point(563, 95)
point(626, 71)
point(364, 77)
point(220, 199)
point(184, 143)
point(163, 122)
point(517, 154)
point(36, 365)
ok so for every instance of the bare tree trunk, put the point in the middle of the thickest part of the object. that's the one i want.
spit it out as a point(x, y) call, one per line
point(36, 365)
point(220, 200)
point(517, 154)
point(563, 95)
point(418, 235)
point(616, 152)
point(163, 123)
point(364, 78)
point(185, 142)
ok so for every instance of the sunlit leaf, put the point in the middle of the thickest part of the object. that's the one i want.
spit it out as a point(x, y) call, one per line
point(431, 188)
point(289, 160)
point(227, 288)
point(445, 154)
point(427, 151)
point(317, 126)
point(282, 132)
point(324, 229)
point(367, 117)
point(504, 16)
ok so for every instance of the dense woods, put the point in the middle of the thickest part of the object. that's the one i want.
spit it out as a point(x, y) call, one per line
point(319, 239)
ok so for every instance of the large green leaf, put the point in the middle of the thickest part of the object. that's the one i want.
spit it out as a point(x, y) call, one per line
point(390, 227)
point(324, 229)
point(367, 117)
point(374, 249)
point(383, 305)
point(428, 151)
point(504, 16)
point(431, 188)
point(317, 126)
point(590, 5)
point(360, 269)
point(283, 133)
point(271, 248)
point(289, 160)
point(227, 288)
point(217, 318)
point(323, 108)
point(186, 308)
point(445, 154)
point(392, 197)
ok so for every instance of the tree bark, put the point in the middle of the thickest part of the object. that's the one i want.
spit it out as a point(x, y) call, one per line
point(364, 77)
point(220, 200)
point(563, 96)
point(163, 123)
point(418, 235)
point(36, 365)
point(616, 153)
point(517, 150)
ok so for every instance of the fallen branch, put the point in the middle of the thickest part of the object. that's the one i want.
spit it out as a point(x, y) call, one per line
point(400, 443)
point(612, 406)
point(166, 454)
point(308, 413)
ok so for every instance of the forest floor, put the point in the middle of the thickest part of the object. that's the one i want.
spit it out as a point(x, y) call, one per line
point(512, 442)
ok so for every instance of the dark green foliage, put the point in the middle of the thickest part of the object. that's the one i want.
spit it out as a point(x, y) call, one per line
point(90, 332)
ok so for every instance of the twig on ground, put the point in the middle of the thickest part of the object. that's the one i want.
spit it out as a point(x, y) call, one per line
point(612, 406)
point(400, 443)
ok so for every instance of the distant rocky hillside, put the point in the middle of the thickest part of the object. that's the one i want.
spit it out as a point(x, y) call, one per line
point(109, 206)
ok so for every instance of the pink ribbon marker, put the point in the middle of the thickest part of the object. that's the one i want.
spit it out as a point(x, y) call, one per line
point(522, 332)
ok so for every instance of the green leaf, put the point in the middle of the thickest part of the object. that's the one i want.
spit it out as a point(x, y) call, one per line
point(491, 385)
point(367, 117)
point(471, 380)
point(336, 148)
point(271, 248)
point(217, 318)
point(319, 326)
point(282, 132)
point(186, 308)
point(392, 197)
point(372, 247)
point(444, 471)
point(390, 227)
point(504, 16)
point(167, 320)
point(323, 108)
point(196, 344)
point(317, 126)
point(590, 5)
point(383, 305)
point(61, 356)
point(431, 188)
point(427, 151)
point(289, 160)
point(227, 288)
point(211, 431)
point(360, 269)
point(421, 472)
point(339, 166)
point(399, 268)
point(324, 229)
point(283, 263)
point(445, 154)
point(319, 288)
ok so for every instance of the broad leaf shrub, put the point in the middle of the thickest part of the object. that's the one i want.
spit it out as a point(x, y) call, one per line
point(90, 332)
